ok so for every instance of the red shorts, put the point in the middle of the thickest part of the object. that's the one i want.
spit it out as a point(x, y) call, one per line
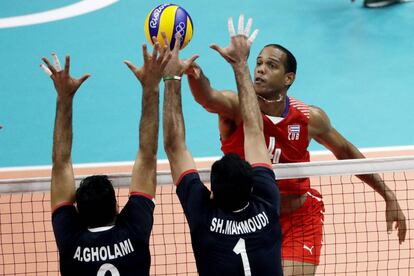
point(302, 230)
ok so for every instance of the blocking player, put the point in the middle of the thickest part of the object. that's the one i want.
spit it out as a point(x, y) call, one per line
point(92, 237)
point(234, 228)
point(289, 126)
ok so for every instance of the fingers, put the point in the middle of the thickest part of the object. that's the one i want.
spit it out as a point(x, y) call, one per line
point(164, 48)
point(216, 48)
point(389, 226)
point(253, 36)
point(50, 69)
point(83, 78)
point(56, 62)
point(46, 70)
point(49, 66)
point(240, 28)
point(164, 38)
point(248, 26)
point(177, 42)
point(156, 48)
point(144, 53)
point(67, 64)
point(230, 25)
point(402, 230)
point(221, 52)
point(189, 62)
point(130, 65)
point(165, 60)
point(193, 58)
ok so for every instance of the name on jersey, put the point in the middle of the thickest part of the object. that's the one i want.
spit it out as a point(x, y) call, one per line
point(103, 253)
point(232, 227)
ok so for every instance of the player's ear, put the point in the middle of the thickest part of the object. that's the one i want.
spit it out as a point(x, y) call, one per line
point(289, 78)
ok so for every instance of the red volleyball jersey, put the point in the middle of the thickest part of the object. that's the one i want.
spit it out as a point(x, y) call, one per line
point(286, 140)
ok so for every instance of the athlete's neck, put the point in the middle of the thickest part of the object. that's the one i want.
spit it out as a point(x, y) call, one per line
point(272, 107)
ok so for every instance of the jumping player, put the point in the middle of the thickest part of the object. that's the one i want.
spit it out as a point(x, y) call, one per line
point(289, 125)
point(93, 238)
point(234, 228)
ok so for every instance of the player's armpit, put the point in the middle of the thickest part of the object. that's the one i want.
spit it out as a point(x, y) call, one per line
point(324, 133)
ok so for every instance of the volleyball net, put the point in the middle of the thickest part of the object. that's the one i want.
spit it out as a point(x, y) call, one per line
point(355, 240)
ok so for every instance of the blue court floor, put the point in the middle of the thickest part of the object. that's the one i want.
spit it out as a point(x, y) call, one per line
point(357, 64)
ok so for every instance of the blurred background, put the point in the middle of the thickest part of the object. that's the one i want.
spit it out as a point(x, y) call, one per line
point(355, 63)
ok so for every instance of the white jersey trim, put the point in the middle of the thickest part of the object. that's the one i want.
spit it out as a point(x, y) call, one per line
point(100, 229)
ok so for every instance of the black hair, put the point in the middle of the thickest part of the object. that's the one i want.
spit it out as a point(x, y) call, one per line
point(96, 201)
point(231, 182)
point(290, 62)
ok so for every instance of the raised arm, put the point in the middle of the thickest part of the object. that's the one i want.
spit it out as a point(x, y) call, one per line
point(324, 133)
point(236, 54)
point(224, 103)
point(143, 178)
point(63, 183)
point(173, 122)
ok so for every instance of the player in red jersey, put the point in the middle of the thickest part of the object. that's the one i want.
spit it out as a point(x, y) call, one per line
point(289, 126)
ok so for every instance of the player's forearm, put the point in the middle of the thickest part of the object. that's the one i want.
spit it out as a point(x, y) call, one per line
point(173, 120)
point(148, 127)
point(200, 86)
point(62, 136)
point(249, 107)
point(373, 180)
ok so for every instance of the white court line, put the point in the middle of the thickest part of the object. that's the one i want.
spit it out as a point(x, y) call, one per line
point(82, 7)
point(199, 159)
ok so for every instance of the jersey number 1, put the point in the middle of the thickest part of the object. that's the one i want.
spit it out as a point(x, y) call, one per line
point(240, 248)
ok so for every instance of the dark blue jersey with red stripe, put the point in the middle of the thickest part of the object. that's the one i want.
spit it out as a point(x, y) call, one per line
point(121, 249)
point(242, 242)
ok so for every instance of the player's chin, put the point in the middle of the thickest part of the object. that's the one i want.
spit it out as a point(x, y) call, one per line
point(259, 88)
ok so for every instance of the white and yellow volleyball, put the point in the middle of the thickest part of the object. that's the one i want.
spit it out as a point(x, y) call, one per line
point(171, 19)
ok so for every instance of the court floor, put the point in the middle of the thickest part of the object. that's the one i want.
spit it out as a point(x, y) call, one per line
point(354, 63)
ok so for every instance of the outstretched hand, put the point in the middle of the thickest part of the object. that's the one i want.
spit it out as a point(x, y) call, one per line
point(177, 66)
point(394, 215)
point(239, 48)
point(65, 85)
point(150, 73)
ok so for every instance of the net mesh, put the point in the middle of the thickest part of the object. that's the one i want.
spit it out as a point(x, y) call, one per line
point(355, 240)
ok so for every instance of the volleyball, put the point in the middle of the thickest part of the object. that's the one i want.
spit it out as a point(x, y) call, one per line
point(171, 19)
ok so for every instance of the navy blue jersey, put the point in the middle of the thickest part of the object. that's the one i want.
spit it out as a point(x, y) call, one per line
point(243, 242)
point(122, 249)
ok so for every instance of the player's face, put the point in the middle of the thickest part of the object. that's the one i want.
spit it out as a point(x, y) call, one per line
point(269, 75)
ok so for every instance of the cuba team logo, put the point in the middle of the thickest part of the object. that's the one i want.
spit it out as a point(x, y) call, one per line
point(293, 132)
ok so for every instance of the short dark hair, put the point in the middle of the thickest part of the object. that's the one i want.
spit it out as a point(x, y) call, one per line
point(290, 64)
point(231, 182)
point(96, 201)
